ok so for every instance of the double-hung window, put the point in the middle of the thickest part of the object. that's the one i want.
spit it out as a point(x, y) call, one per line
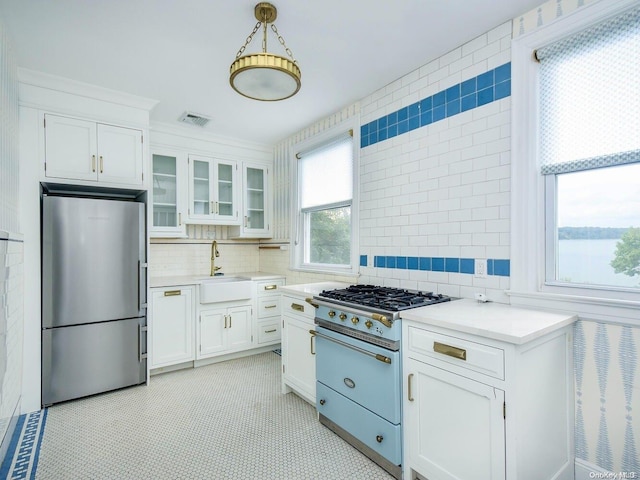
point(324, 221)
point(589, 155)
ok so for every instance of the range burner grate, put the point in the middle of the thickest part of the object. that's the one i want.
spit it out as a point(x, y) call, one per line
point(385, 298)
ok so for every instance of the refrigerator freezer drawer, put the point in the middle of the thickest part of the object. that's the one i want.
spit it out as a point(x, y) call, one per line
point(83, 360)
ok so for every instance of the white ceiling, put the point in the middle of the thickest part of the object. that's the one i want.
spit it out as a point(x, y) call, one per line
point(179, 51)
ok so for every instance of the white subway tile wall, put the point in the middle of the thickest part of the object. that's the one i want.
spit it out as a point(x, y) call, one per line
point(441, 189)
point(11, 246)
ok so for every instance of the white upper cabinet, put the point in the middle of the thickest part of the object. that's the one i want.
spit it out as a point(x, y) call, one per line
point(256, 203)
point(92, 152)
point(168, 193)
point(213, 191)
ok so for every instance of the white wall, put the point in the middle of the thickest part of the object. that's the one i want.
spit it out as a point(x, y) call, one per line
point(11, 248)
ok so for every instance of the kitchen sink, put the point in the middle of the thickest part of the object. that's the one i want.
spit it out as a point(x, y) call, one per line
point(224, 289)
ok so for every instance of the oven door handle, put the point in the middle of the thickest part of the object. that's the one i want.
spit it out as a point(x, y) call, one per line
point(377, 356)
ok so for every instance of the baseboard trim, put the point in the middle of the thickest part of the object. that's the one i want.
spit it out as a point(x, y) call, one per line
point(586, 470)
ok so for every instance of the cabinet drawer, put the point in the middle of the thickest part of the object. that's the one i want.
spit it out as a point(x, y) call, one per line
point(269, 306)
point(269, 332)
point(361, 423)
point(455, 351)
point(270, 287)
point(298, 307)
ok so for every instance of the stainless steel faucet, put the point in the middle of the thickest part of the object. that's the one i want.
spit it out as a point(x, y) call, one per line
point(214, 253)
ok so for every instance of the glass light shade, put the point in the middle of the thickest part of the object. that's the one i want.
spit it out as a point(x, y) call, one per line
point(264, 76)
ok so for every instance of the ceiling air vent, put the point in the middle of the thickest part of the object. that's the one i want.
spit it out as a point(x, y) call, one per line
point(191, 118)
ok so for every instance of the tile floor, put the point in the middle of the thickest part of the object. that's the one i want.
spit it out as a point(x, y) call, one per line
point(223, 421)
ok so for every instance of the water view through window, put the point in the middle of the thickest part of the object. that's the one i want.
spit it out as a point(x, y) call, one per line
point(598, 222)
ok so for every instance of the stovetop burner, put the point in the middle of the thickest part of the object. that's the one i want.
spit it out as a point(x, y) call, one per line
point(385, 298)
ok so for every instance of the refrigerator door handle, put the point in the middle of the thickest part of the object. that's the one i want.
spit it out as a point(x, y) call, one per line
point(141, 331)
point(142, 293)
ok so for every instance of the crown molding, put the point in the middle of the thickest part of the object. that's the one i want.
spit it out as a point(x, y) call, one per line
point(74, 87)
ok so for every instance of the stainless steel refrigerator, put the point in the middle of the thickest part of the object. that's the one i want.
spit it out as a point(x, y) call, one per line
point(93, 296)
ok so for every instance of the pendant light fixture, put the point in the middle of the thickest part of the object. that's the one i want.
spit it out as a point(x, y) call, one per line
point(265, 76)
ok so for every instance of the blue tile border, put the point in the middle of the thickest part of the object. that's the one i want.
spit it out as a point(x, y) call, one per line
point(21, 459)
point(495, 266)
point(472, 93)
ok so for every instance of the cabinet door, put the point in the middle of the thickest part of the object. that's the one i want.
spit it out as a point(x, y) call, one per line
point(212, 332)
point(70, 148)
point(171, 326)
point(226, 203)
point(298, 355)
point(201, 205)
point(454, 427)
point(255, 199)
point(168, 194)
point(239, 334)
point(119, 155)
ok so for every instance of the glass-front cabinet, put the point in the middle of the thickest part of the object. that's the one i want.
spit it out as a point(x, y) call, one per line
point(255, 221)
point(168, 194)
point(213, 191)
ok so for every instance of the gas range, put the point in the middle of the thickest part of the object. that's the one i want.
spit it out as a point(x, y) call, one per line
point(358, 373)
point(370, 312)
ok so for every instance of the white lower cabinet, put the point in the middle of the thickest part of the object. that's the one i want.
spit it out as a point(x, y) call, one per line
point(298, 348)
point(171, 313)
point(476, 408)
point(224, 330)
point(268, 306)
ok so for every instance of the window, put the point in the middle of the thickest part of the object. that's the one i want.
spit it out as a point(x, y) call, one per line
point(324, 224)
point(589, 154)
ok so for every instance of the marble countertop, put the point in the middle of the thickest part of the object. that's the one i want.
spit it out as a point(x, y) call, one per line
point(178, 280)
point(310, 289)
point(491, 320)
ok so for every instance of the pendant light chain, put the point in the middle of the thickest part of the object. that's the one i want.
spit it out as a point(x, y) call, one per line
point(249, 38)
point(281, 40)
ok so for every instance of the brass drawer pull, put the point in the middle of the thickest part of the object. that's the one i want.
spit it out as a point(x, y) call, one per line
point(172, 293)
point(454, 352)
point(297, 307)
point(310, 302)
point(271, 331)
point(270, 287)
point(270, 306)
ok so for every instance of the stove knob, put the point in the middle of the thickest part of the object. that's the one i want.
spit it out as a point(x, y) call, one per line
point(332, 313)
point(343, 316)
point(368, 323)
point(355, 320)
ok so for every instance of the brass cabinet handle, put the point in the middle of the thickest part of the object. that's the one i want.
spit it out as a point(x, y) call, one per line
point(211, 210)
point(172, 293)
point(310, 302)
point(93, 163)
point(409, 395)
point(179, 219)
point(246, 221)
point(445, 349)
point(101, 164)
point(217, 208)
point(225, 321)
point(230, 317)
point(312, 334)
point(270, 306)
point(270, 287)
point(271, 331)
point(297, 307)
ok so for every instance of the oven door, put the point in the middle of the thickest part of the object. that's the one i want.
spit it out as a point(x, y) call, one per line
point(366, 374)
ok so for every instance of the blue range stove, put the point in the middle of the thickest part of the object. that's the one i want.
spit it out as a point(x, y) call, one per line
point(358, 366)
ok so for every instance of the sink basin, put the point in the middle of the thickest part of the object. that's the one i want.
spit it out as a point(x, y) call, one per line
point(224, 289)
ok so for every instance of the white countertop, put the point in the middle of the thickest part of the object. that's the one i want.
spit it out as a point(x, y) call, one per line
point(310, 289)
point(177, 280)
point(491, 320)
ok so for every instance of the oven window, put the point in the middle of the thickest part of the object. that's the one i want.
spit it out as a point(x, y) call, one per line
point(324, 235)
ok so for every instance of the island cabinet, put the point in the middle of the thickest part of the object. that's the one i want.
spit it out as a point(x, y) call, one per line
point(487, 393)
